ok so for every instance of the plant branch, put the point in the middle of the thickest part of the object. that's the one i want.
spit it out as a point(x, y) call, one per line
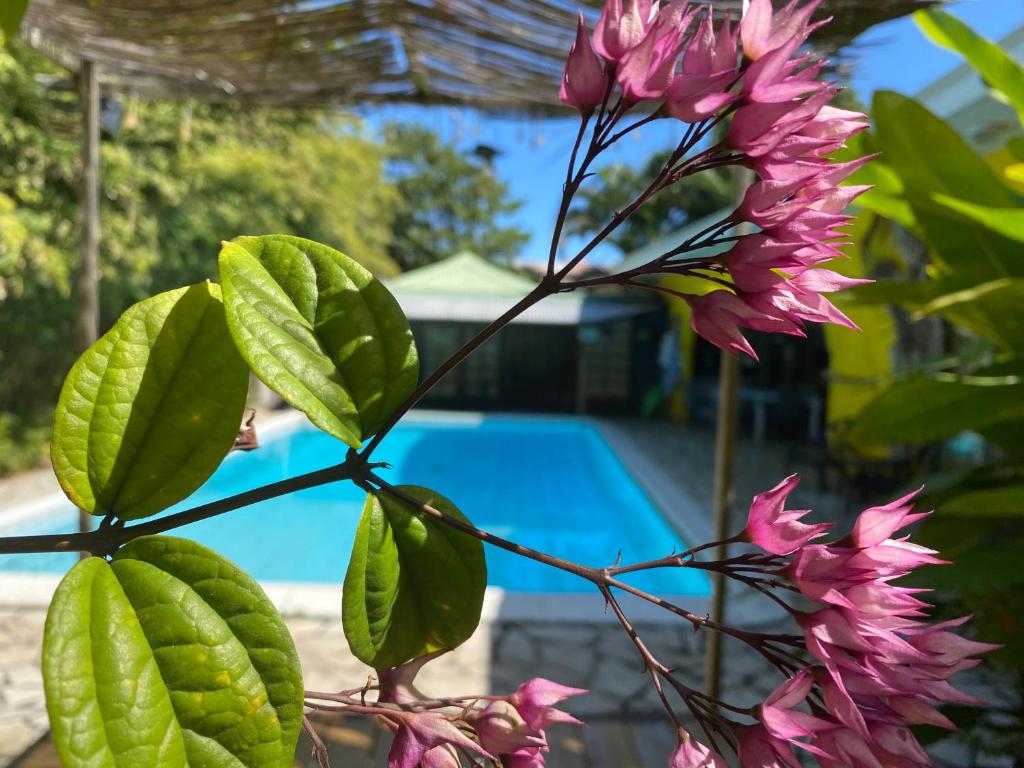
point(106, 539)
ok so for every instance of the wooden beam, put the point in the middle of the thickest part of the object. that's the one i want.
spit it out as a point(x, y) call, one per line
point(87, 285)
point(725, 450)
point(87, 281)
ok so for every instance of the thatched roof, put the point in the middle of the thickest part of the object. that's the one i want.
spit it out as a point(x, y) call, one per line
point(502, 54)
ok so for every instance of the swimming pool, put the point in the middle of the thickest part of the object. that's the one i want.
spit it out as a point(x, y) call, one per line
point(553, 484)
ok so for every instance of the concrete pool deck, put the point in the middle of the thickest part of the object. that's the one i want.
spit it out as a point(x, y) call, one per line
point(566, 638)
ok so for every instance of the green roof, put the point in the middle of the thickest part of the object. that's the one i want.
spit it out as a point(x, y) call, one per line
point(464, 273)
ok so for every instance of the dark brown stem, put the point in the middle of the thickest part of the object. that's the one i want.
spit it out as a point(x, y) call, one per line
point(319, 748)
point(106, 540)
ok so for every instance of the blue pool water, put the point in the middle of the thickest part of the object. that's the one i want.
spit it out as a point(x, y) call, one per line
point(551, 484)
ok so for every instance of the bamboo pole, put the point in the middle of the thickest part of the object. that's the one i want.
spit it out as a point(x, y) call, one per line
point(725, 449)
point(87, 283)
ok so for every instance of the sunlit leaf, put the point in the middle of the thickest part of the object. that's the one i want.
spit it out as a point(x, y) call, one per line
point(992, 309)
point(920, 409)
point(995, 65)
point(912, 139)
point(11, 12)
point(1002, 501)
point(1008, 222)
point(414, 585)
point(149, 411)
point(169, 656)
point(319, 330)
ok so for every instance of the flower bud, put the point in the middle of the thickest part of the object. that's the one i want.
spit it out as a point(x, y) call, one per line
point(584, 80)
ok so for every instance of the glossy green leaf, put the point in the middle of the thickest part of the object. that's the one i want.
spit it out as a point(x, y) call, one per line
point(920, 409)
point(149, 411)
point(992, 309)
point(319, 330)
point(1001, 501)
point(995, 65)
point(414, 585)
point(169, 656)
point(11, 12)
point(1008, 222)
point(911, 138)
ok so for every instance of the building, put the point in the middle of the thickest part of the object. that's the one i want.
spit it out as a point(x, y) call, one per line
point(579, 352)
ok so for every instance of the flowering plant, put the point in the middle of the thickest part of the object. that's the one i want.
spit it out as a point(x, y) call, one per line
point(158, 652)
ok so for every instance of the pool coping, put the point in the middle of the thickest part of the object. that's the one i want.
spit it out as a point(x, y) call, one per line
point(323, 600)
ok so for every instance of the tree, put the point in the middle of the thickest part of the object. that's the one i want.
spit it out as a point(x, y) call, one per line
point(447, 202)
point(178, 177)
point(616, 185)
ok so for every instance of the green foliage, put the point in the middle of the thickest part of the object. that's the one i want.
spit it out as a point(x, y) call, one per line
point(911, 138)
point(178, 178)
point(617, 185)
point(995, 65)
point(414, 585)
point(24, 442)
point(319, 330)
point(446, 202)
point(151, 409)
point(10, 17)
point(921, 409)
point(942, 192)
point(169, 656)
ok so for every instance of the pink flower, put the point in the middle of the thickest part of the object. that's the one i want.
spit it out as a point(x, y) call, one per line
point(502, 729)
point(524, 758)
point(759, 748)
point(709, 68)
point(719, 315)
point(422, 732)
point(584, 80)
point(798, 299)
point(621, 27)
point(645, 71)
point(692, 754)
point(535, 700)
point(876, 524)
point(763, 31)
point(774, 529)
point(444, 756)
point(780, 717)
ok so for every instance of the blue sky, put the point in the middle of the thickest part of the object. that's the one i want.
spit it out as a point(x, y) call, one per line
point(893, 56)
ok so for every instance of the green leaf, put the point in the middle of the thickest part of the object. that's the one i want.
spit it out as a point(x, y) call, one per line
point(911, 138)
point(11, 12)
point(414, 585)
point(169, 656)
point(149, 411)
point(319, 330)
point(992, 309)
point(1002, 501)
point(1008, 222)
point(919, 409)
point(995, 65)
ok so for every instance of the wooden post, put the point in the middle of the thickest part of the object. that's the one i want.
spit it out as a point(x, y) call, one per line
point(87, 282)
point(725, 450)
point(87, 286)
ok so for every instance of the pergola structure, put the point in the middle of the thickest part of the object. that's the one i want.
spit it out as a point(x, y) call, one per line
point(494, 54)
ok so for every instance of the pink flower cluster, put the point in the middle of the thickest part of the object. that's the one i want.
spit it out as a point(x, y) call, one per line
point(876, 666)
point(508, 731)
point(781, 126)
